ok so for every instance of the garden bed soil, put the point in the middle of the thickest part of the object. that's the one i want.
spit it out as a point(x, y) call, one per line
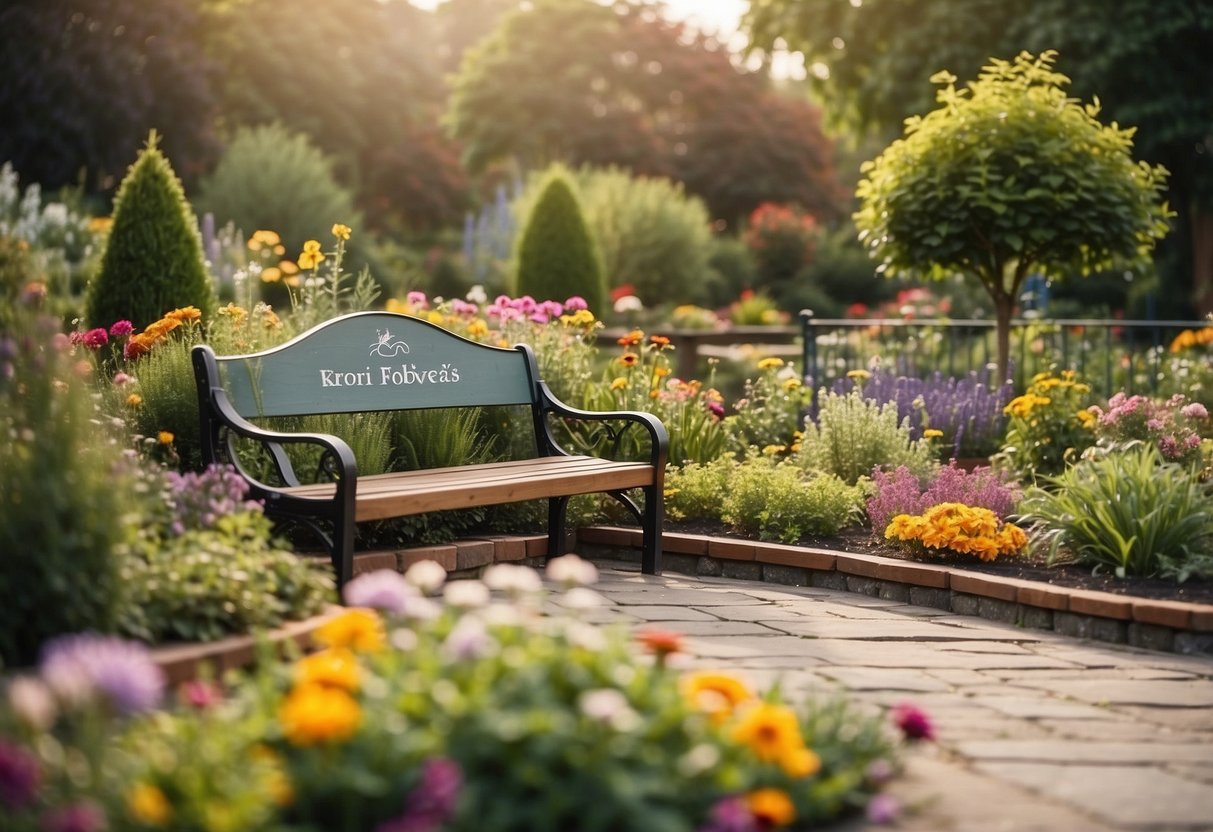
point(862, 541)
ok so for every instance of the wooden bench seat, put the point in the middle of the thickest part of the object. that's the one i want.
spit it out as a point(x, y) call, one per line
point(380, 361)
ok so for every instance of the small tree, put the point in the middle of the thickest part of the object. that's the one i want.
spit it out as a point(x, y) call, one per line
point(556, 255)
point(153, 261)
point(1009, 177)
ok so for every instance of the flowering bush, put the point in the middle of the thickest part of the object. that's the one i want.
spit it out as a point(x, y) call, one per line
point(771, 410)
point(1050, 426)
point(901, 492)
point(956, 529)
point(853, 435)
point(476, 714)
point(755, 309)
point(1174, 425)
point(782, 239)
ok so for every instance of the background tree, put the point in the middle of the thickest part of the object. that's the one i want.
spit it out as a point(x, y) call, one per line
point(153, 259)
point(368, 91)
point(84, 82)
point(556, 255)
point(1148, 61)
point(1007, 177)
point(574, 81)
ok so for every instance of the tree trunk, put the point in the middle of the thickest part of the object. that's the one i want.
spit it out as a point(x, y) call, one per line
point(1004, 306)
point(1201, 227)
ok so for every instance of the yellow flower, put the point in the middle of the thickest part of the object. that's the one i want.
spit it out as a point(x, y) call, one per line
point(185, 313)
point(270, 319)
point(771, 731)
point(335, 668)
point(771, 450)
point(148, 805)
point(629, 359)
point(717, 694)
point(165, 437)
point(134, 400)
point(314, 714)
point(271, 275)
point(341, 232)
point(478, 328)
point(100, 224)
point(619, 383)
point(931, 433)
point(263, 238)
point(236, 313)
point(287, 267)
point(311, 256)
point(772, 808)
point(791, 384)
point(360, 630)
point(803, 762)
point(770, 363)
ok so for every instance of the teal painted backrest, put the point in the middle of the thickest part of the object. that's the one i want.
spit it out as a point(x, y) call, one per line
point(375, 361)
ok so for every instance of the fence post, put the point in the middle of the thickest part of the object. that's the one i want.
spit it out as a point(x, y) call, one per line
point(809, 369)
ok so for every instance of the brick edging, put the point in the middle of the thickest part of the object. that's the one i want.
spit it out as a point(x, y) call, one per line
point(1172, 626)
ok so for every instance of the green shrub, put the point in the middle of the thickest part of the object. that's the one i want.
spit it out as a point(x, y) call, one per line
point(853, 435)
point(651, 234)
point(61, 498)
point(770, 412)
point(778, 502)
point(1127, 512)
point(1049, 427)
point(697, 490)
point(153, 259)
point(556, 255)
point(270, 177)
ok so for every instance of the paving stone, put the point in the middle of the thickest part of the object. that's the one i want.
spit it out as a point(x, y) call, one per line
point(717, 628)
point(1120, 796)
point(685, 596)
point(759, 612)
point(1118, 728)
point(1196, 693)
point(742, 647)
point(1038, 707)
point(962, 676)
point(1068, 751)
point(1198, 720)
point(879, 678)
point(900, 629)
point(920, 655)
point(668, 613)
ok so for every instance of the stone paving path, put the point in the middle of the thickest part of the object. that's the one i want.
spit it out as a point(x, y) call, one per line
point(1037, 731)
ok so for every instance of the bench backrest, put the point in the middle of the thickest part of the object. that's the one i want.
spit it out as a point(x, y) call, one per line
point(376, 361)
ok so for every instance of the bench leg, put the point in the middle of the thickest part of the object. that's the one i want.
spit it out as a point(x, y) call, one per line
point(556, 514)
point(654, 510)
point(342, 552)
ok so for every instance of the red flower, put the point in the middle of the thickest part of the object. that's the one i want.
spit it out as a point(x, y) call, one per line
point(913, 722)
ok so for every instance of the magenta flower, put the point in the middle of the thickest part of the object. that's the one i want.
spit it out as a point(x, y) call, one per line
point(121, 329)
point(200, 694)
point(716, 409)
point(432, 801)
point(76, 667)
point(95, 339)
point(84, 816)
point(121, 378)
point(462, 307)
point(913, 722)
point(20, 776)
point(730, 814)
point(575, 304)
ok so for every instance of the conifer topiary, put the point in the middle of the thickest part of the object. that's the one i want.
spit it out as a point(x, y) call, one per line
point(556, 256)
point(153, 261)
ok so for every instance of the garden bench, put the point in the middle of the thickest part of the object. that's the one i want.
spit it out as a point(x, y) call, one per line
point(380, 361)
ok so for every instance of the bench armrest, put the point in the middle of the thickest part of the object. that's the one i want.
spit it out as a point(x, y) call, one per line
point(658, 435)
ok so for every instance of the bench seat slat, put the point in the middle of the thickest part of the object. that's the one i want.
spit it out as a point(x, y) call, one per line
point(440, 489)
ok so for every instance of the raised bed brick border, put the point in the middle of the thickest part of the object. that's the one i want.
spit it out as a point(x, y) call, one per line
point(1168, 626)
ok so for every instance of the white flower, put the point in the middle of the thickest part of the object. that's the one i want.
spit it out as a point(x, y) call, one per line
point(32, 702)
point(585, 636)
point(628, 303)
point(469, 640)
point(609, 706)
point(570, 570)
point(427, 575)
point(512, 579)
point(699, 759)
point(477, 295)
point(580, 598)
point(466, 594)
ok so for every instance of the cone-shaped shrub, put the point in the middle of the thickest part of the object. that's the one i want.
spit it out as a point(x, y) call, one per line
point(153, 262)
point(556, 256)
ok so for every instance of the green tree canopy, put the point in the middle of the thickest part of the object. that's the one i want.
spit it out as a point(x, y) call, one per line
point(1006, 177)
point(1150, 63)
point(583, 83)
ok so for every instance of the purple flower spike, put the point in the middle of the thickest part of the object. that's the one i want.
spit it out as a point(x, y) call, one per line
point(432, 802)
point(20, 776)
point(913, 722)
point(380, 590)
point(78, 666)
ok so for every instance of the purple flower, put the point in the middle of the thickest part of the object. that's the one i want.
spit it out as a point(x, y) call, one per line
point(878, 772)
point(84, 816)
point(380, 590)
point(20, 776)
point(120, 329)
point(913, 722)
point(883, 808)
point(432, 801)
point(76, 667)
point(730, 814)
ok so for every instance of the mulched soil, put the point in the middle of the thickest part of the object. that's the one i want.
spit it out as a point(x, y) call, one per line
point(862, 541)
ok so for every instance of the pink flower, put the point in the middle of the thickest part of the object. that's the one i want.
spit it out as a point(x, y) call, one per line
point(913, 722)
point(539, 317)
point(417, 299)
point(121, 378)
point(95, 339)
point(84, 816)
point(1195, 410)
point(200, 694)
point(716, 409)
point(462, 307)
point(62, 342)
point(575, 304)
point(883, 809)
point(120, 329)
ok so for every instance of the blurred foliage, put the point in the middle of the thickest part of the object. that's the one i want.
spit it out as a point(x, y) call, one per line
point(573, 81)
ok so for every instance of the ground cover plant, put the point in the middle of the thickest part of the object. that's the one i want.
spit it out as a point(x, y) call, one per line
point(457, 712)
